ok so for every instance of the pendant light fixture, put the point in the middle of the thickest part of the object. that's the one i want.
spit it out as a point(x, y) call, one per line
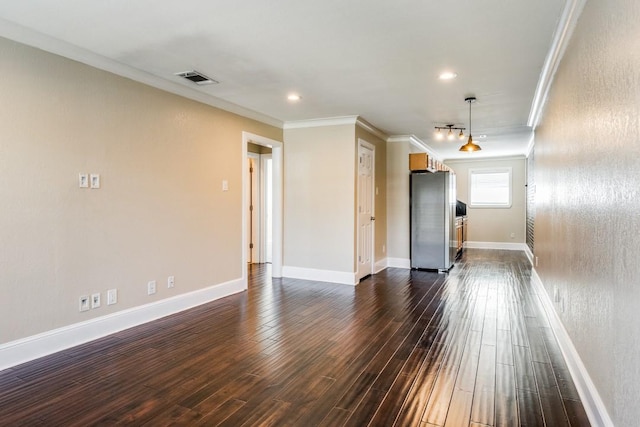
point(470, 146)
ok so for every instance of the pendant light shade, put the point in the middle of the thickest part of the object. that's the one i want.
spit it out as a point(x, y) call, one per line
point(470, 146)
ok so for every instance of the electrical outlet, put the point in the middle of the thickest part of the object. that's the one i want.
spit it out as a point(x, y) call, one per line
point(171, 281)
point(151, 287)
point(112, 296)
point(95, 300)
point(84, 304)
point(512, 235)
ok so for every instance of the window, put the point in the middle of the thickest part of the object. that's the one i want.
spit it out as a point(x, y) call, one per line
point(490, 188)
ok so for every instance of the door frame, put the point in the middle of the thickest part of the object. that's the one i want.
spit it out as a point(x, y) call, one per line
point(369, 146)
point(277, 176)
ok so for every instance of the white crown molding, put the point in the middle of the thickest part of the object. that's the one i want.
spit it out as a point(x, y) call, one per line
point(481, 159)
point(589, 396)
point(342, 277)
point(32, 38)
point(416, 142)
point(329, 121)
point(371, 129)
point(532, 143)
point(23, 350)
point(566, 25)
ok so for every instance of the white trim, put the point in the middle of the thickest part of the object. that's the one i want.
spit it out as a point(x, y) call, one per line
point(485, 159)
point(561, 38)
point(329, 121)
point(532, 143)
point(23, 350)
point(496, 245)
point(528, 253)
point(341, 277)
point(32, 38)
point(277, 181)
point(399, 263)
point(416, 142)
point(591, 400)
point(380, 265)
point(370, 128)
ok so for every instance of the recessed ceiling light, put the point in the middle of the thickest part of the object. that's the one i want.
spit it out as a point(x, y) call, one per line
point(448, 75)
point(482, 136)
point(294, 97)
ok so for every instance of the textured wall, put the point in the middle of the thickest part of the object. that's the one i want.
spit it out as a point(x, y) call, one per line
point(588, 199)
point(160, 210)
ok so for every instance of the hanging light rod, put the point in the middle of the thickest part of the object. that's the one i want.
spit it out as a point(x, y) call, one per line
point(450, 133)
point(470, 146)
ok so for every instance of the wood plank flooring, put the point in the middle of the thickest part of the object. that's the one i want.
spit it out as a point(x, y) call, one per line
point(403, 348)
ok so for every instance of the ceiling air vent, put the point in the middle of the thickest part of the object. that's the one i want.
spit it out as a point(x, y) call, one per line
point(197, 78)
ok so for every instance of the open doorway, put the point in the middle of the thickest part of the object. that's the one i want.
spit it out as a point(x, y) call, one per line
point(262, 203)
point(259, 204)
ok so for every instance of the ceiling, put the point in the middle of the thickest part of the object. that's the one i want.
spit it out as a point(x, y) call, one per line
point(378, 60)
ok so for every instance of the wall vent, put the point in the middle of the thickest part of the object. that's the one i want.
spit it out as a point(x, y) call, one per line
point(197, 77)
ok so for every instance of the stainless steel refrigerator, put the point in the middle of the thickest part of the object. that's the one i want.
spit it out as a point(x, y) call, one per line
point(433, 220)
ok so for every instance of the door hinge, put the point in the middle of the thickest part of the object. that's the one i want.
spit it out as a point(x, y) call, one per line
point(251, 208)
point(250, 245)
point(250, 170)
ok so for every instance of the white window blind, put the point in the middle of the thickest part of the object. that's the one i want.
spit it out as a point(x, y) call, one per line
point(490, 188)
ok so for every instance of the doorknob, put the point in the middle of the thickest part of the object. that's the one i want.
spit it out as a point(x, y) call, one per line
point(373, 218)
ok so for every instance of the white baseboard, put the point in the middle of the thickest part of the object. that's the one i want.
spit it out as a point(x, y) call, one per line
point(593, 405)
point(23, 350)
point(399, 262)
point(380, 265)
point(529, 254)
point(496, 245)
point(342, 277)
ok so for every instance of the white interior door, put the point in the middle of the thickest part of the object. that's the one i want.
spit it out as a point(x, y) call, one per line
point(365, 208)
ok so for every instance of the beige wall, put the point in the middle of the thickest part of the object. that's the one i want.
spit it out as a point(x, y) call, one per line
point(494, 225)
point(160, 210)
point(587, 199)
point(381, 193)
point(319, 190)
point(398, 225)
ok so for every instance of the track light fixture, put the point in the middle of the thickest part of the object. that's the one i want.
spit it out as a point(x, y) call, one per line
point(470, 146)
point(449, 131)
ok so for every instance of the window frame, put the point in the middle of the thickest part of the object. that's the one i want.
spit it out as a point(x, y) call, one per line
point(490, 205)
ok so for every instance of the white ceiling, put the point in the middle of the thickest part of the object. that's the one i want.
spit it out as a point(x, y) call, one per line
point(379, 60)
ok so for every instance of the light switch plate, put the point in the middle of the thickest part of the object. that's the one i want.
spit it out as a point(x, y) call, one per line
point(225, 185)
point(83, 180)
point(95, 180)
point(95, 300)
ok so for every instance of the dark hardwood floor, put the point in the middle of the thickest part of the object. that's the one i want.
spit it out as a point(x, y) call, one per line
point(404, 348)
